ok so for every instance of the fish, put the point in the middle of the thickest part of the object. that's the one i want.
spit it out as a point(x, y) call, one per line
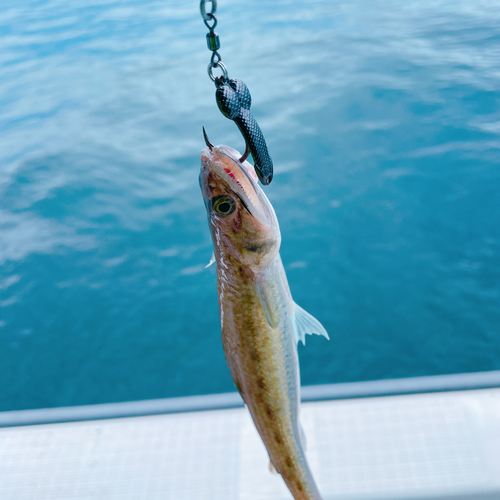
point(260, 322)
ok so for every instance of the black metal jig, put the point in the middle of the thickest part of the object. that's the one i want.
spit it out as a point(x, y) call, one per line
point(233, 99)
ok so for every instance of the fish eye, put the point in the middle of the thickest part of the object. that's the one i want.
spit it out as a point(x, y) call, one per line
point(223, 205)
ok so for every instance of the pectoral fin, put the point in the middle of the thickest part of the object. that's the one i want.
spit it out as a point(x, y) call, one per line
point(306, 324)
point(268, 306)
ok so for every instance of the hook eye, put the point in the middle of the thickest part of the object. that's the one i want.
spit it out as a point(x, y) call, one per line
point(220, 65)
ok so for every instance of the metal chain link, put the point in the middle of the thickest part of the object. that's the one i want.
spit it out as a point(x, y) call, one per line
point(213, 41)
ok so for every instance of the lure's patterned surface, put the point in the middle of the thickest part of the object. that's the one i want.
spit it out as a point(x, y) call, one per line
point(260, 322)
point(234, 101)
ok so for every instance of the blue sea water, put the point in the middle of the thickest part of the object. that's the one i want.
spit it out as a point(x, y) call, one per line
point(383, 122)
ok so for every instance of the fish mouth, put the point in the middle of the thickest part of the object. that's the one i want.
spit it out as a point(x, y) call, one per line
point(241, 179)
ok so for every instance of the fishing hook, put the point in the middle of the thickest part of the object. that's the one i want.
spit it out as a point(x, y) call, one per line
point(207, 140)
point(211, 146)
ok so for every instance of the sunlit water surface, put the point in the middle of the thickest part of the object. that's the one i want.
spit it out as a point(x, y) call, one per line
point(383, 122)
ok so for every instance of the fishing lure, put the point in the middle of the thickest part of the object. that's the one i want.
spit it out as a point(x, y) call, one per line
point(234, 101)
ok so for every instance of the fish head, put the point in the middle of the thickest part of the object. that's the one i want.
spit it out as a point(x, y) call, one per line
point(242, 221)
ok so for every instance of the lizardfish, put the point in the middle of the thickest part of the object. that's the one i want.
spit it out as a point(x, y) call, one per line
point(260, 322)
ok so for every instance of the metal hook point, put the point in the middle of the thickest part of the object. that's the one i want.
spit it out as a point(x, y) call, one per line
point(207, 141)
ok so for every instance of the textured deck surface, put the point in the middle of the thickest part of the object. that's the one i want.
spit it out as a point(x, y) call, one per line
point(441, 445)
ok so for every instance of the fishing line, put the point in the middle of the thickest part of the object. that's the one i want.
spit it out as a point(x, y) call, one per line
point(234, 100)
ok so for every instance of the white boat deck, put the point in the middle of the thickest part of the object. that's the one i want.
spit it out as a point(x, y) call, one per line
point(420, 446)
